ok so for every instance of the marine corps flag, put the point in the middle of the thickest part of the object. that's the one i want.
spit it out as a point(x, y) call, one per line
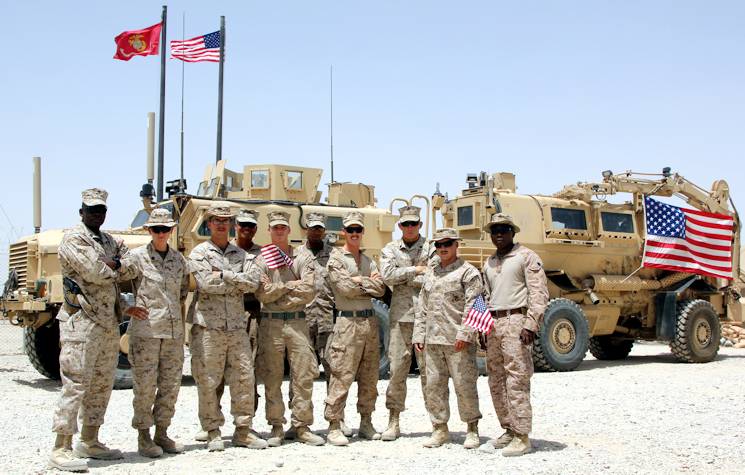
point(138, 42)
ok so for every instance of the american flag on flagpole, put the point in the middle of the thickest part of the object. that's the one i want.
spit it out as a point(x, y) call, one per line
point(201, 48)
point(479, 317)
point(687, 240)
point(274, 257)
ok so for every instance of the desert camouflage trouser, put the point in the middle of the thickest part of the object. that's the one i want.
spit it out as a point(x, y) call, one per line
point(157, 366)
point(319, 342)
point(88, 359)
point(275, 337)
point(218, 354)
point(353, 353)
point(443, 363)
point(399, 354)
point(510, 366)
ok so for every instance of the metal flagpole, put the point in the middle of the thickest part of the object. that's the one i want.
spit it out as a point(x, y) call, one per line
point(162, 119)
point(183, 63)
point(218, 156)
point(331, 77)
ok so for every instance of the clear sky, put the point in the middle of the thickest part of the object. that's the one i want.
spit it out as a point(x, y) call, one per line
point(424, 92)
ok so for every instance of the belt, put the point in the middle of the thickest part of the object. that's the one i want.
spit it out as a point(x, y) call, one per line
point(507, 313)
point(359, 313)
point(283, 315)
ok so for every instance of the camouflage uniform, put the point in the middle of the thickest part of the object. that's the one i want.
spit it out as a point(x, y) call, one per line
point(353, 349)
point(90, 335)
point(283, 328)
point(397, 267)
point(220, 346)
point(156, 345)
point(447, 296)
point(514, 282)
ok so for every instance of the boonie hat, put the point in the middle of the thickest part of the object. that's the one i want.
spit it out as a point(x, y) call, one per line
point(353, 217)
point(220, 210)
point(160, 217)
point(501, 218)
point(278, 217)
point(445, 234)
point(409, 214)
point(247, 216)
point(316, 219)
point(94, 197)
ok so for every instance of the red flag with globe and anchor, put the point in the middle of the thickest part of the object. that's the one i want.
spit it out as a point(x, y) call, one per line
point(138, 42)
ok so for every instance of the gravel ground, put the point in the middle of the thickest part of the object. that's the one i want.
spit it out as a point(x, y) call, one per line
point(645, 414)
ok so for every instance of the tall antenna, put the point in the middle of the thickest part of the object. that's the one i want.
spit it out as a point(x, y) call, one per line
point(183, 37)
point(331, 77)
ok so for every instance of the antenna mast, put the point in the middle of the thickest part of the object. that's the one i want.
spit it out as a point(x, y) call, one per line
point(331, 77)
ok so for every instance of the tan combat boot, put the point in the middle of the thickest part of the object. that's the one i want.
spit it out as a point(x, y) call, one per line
point(201, 436)
point(440, 435)
point(214, 441)
point(90, 447)
point(520, 445)
point(472, 436)
point(307, 437)
point(393, 431)
point(62, 457)
point(500, 442)
point(145, 445)
point(243, 437)
point(336, 436)
point(366, 430)
point(168, 445)
point(347, 431)
point(276, 437)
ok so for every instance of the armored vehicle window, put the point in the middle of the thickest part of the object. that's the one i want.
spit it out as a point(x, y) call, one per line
point(142, 215)
point(260, 179)
point(563, 218)
point(333, 223)
point(202, 188)
point(294, 180)
point(465, 215)
point(617, 222)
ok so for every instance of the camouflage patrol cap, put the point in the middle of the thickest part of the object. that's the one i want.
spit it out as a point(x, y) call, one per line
point(445, 234)
point(95, 197)
point(220, 210)
point(278, 217)
point(409, 214)
point(501, 218)
point(353, 217)
point(247, 216)
point(160, 217)
point(316, 219)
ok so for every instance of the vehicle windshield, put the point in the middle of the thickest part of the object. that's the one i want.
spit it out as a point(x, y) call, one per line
point(142, 215)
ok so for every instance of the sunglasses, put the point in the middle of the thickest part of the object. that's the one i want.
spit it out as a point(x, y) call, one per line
point(160, 229)
point(501, 229)
point(439, 245)
point(247, 225)
point(220, 220)
point(353, 229)
point(410, 224)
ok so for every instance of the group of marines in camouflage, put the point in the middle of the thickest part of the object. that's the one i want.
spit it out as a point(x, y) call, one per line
point(251, 308)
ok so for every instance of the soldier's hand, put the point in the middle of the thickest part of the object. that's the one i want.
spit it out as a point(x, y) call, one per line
point(460, 345)
point(420, 270)
point(138, 313)
point(527, 336)
point(265, 280)
point(111, 263)
point(419, 347)
point(375, 275)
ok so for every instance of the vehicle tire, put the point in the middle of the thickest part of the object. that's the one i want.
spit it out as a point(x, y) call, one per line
point(697, 332)
point(562, 341)
point(42, 347)
point(383, 313)
point(607, 347)
point(123, 374)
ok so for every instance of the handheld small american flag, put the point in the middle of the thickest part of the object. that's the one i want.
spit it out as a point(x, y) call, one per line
point(479, 317)
point(274, 257)
point(687, 240)
point(201, 48)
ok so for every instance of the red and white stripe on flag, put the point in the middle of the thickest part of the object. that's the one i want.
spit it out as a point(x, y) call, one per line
point(274, 257)
point(688, 240)
point(201, 48)
point(479, 317)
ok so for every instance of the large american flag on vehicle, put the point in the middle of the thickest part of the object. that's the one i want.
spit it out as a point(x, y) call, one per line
point(274, 257)
point(201, 48)
point(479, 318)
point(688, 240)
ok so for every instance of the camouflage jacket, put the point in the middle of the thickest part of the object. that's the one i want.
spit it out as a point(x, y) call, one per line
point(348, 294)
point(397, 266)
point(80, 254)
point(320, 311)
point(250, 303)
point(291, 289)
point(219, 300)
point(161, 286)
point(517, 280)
point(446, 298)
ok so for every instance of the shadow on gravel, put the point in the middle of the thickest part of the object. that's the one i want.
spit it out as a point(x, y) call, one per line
point(540, 445)
point(9, 370)
point(188, 380)
point(50, 385)
point(130, 458)
point(666, 358)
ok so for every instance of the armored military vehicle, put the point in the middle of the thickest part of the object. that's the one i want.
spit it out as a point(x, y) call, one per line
point(601, 297)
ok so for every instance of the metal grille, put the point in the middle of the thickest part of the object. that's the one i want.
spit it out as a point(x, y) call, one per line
point(18, 260)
